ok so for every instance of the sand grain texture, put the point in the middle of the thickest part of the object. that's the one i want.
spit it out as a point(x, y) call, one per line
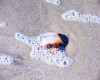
point(33, 17)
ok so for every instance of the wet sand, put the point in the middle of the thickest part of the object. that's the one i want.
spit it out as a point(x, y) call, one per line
point(33, 17)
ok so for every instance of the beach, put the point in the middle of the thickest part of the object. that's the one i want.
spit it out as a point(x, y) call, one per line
point(34, 17)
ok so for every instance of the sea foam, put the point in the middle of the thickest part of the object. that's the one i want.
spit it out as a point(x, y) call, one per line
point(54, 57)
point(56, 2)
point(73, 15)
point(6, 59)
point(3, 24)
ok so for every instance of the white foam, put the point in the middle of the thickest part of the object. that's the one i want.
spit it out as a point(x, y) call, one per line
point(98, 19)
point(56, 2)
point(3, 24)
point(54, 57)
point(6, 59)
point(73, 15)
point(94, 19)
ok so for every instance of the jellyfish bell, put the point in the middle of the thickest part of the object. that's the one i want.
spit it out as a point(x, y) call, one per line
point(50, 40)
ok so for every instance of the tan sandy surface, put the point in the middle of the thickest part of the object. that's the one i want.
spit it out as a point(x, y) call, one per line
point(33, 17)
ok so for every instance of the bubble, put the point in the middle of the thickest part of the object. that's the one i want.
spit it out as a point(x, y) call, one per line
point(64, 62)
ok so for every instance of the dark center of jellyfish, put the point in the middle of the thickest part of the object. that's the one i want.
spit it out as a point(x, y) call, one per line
point(50, 46)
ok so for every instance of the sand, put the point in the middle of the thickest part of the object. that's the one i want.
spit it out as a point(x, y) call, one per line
point(33, 17)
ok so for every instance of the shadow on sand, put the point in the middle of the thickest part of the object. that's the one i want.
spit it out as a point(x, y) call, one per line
point(65, 39)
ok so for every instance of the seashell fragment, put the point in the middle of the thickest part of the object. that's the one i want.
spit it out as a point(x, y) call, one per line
point(55, 57)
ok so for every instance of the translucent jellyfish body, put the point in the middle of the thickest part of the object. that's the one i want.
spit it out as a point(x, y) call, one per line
point(55, 57)
point(50, 40)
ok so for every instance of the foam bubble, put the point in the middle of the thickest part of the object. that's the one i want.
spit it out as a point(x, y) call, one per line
point(56, 2)
point(54, 57)
point(6, 59)
point(3, 24)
